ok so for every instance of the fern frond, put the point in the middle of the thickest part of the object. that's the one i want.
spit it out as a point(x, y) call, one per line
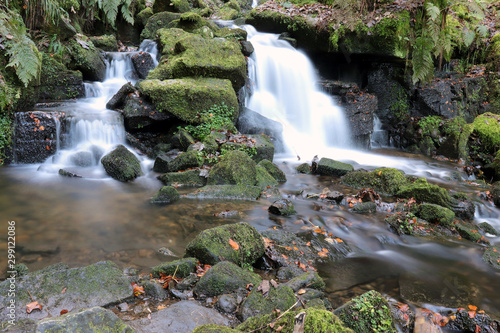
point(127, 14)
point(26, 60)
point(423, 66)
point(432, 10)
point(110, 8)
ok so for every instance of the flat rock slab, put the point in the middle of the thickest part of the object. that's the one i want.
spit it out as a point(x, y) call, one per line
point(181, 317)
point(59, 287)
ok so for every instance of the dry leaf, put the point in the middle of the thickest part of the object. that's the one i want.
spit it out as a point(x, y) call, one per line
point(274, 283)
point(63, 312)
point(63, 291)
point(32, 306)
point(137, 289)
point(264, 287)
point(233, 244)
point(322, 254)
point(301, 291)
point(472, 307)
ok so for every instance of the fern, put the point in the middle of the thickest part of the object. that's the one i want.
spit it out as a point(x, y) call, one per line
point(110, 8)
point(423, 66)
point(126, 12)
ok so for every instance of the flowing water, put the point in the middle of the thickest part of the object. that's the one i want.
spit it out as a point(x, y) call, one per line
point(82, 221)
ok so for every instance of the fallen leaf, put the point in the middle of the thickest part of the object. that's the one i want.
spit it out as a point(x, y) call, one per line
point(161, 307)
point(472, 307)
point(472, 314)
point(264, 286)
point(137, 289)
point(63, 291)
point(274, 283)
point(322, 254)
point(301, 291)
point(233, 244)
point(63, 312)
point(32, 306)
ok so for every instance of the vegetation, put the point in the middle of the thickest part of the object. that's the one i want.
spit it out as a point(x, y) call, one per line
point(217, 118)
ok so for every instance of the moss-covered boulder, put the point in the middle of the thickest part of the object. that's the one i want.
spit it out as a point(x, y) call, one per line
point(122, 164)
point(264, 178)
point(89, 320)
point(329, 167)
point(166, 195)
point(225, 278)
point(436, 214)
point(230, 11)
point(422, 191)
point(304, 168)
point(366, 312)
point(194, 23)
point(235, 168)
point(283, 207)
point(315, 321)
point(492, 257)
point(186, 160)
point(239, 243)
point(177, 6)
point(139, 114)
point(257, 303)
point(365, 207)
point(195, 56)
point(487, 128)
point(232, 33)
point(307, 280)
point(470, 232)
point(86, 58)
point(273, 170)
point(231, 192)
point(99, 284)
point(182, 268)
point(186, 98)
point(156, 22)
point(184, 178)
point(383, 180)
point(264, 148)
point(106, 43)
point(57, 82)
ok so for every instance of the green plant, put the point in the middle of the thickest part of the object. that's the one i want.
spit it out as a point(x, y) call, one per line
point(399, 107)
point(429, 124)
point(407, 223)
point(5, 134)
point(217, 118)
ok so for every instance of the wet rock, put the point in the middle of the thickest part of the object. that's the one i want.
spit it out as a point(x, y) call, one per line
point(66, 173)
point(166, 195)
point(180, 317)
point(59, 83)
point(303, 168)
point(225, 173)
point(246, 48)
point(224, 278)
point(186, 160)
point(182, 139)
point(143, 63)
point(121, 164)
point(232, 192)
point(365, 208)
point(184, 178)
point(182, 268)
point(436, 214)
point(139, 114)
point(422, 191)
point(312, 319)
point(469, 231)
point(118, 99)
point(273, 170)
point(214, 245)
point(188, 282)
point(286, 37)
point(462, 206)
point(227, 303)
point(478, 322)
point(366, 311)
point(282, 207)
point(492, 257)
point(161, 163)
point(271, 194)
point(329, 167)
point(383, 180)
point(309, 280)
point(228, 214)
point(35, 135)
point(87, 320)
point(251, 122)
point(155, 290)
point(256, 303)
point(157, 21)
point(99, 284)
point(488, 228)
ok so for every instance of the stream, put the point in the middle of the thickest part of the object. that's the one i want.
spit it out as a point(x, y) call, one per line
point(82, 221)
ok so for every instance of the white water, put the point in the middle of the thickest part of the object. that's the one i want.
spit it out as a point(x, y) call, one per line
point(92, 129)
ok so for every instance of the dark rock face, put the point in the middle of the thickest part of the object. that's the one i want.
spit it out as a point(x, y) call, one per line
point(35, 135)
point(138, 113)
point(282, 207)
point(122, 164)
point(251, 122)
point(118, 100)
point(143, 63)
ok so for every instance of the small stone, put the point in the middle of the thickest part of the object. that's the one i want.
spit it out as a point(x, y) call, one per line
point(282, 207)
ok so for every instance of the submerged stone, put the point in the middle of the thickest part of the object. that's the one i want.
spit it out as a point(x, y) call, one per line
point(218, 244)
point(365, 208)
point(121, 164)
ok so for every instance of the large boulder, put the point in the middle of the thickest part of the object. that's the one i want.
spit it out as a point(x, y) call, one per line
point(88, 320)
point(57, 82)
point(156, 22)
point(59, 287)
point(422, 191)
point(235, 168)
point(167, 38)
point(383, 180)
point(436, 214)
point(196, 56)
point(186, 160)
point(86, 58)
point(329, 167)
point(273, 170)
point(487, 128)
point(139, 113)
point(257, 303)
point(224, 278)
point(186, 98)
point(239, 243)
point(122, 164)
point(251, 122)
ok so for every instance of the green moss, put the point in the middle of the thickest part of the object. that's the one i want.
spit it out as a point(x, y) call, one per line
point(383, 180)
point(185, 98)
point(316, 321)
point(143, 16)
point(86, 59)
point(225, 277)
point(469, 231)
point(430, 125)
point(492, 257)
point(186, 160)
point(212, 328)
point(192, 22)
point(105, 42)
point(167, 38)
point(307, 280)
point(369, 312)
point(235, 168)
point(256, 303)
point(422, 191)
point(329, 167)
point(230, 11)
point(463, 152)
point(156, 22)
point(273, 170)
point(212, 246)
point(185, 178)
point(231, 33)
point(487, 128)
point(166, 195)
point(232, 192)
point(436, 214)
point(303, 168)
point(122, 164)
point(264, 179)
point(182, 268)
point(57, 82)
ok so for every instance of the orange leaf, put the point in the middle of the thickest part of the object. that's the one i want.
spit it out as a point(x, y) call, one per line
point(160, 307)
point(318, 230)
point(339, 240)
point(63, 291)
point(63, 312)
point(308, 243)
point(233, 244)
point(137, 289)
point(32, 306)
point(472, 307)
point(322, 254)
point(472, 314)
point(41, 128)
point(325, 250)
point(288, 248)
point(301, 291)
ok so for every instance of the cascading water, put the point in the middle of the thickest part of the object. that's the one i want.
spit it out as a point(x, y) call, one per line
point(284, 89)
point(92, 129)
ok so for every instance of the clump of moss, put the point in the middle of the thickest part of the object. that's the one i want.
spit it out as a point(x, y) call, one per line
point(487, 128)
point(383, 180)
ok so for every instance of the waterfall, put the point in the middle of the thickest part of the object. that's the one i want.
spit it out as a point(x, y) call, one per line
point(379, 138)
point(284, 89)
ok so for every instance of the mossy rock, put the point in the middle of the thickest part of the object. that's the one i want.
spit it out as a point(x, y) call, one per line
point(143, 16)
point(86, 58)
point(166, 195)
point(384, 180)
point(422, 191)
point(235, 168)
point(212, 328)
point(106, 43)
point(224, 278)
point(329, 167)
point(264, 148)
point(184, 178)
point(182, 268)
point(463, 152)
point(436, 214)
point(273, 170)
point(186, 98)
point(195, 56)
point(488, 228)
point(186, 160)
point(193, 22)
point(470, 232)
point(182, 139)
point(366, 312)
point(230, 11)
point(95, 319)
point(178, 6)
point(487, 128)
point(231, 192)
point(492, 257)
point(122, 164)
point(304, 168)
point(59, 83)
point(264, 178)
point(365, 207)
point(307, 280)
point(232, 33)
point(316, 321)
point(256, 303)
point(156, 22)
point(217, 244)
point(283, 207)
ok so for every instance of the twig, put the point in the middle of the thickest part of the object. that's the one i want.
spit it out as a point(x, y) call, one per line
point(32, 299)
